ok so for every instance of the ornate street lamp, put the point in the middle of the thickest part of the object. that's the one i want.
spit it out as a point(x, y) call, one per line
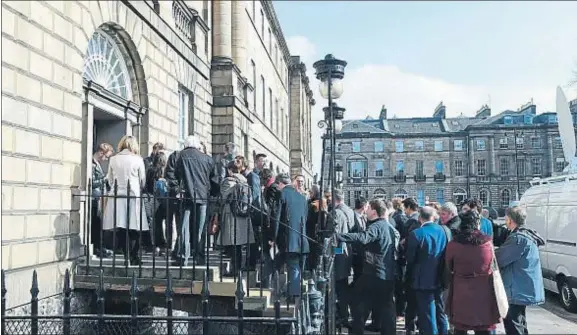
point(331, 71)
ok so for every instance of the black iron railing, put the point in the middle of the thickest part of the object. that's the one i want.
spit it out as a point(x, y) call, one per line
point(108, 211)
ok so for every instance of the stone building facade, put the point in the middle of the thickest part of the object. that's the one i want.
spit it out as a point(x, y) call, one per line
point(302, 102)
point(448, 159)
point(79, 73)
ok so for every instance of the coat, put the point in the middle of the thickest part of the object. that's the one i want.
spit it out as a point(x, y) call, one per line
point(289, 229)
point(471, 301)
point(425, 254)
point(231, 227)
point(125, 167)
point(195, 171)
point(379, 242)
point(343, 222)
point(520, 266)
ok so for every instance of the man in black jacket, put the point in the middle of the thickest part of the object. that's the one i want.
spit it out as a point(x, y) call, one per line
point(253, 178)
point(399, 220)
point(412, 212)
point(173, 204)
point(375, 290)
point(194, 172)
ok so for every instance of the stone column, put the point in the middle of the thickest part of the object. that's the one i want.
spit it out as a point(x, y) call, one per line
point(491, 155)
point(239, 35)
point(471, 166)
point(551, 156)
point(222, 39)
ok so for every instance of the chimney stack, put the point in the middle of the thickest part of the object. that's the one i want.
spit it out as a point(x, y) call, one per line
point(440, 111)
point(383, 114)
point(484, 112)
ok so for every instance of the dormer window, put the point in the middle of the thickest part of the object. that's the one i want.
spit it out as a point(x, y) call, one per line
point(355, 126)
point(508, 120)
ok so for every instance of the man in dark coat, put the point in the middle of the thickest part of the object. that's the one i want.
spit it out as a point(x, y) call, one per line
point(425, 258)
point(360, 225)
point(399, 220)
point(99, 185)
point(194, 171)
point(289, 234)
point(449, 216)
point(173, 191)
point(253, 178)
point(342, 220)
point(375, 290)
point(412, 222)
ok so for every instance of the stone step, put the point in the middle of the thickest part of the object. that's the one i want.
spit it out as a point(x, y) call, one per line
point(146, 271)
point(226, 288)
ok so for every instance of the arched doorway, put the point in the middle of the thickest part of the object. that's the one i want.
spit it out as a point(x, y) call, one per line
point(380, 193)
point(115, 93)
point(459, 195)
point(400, 193)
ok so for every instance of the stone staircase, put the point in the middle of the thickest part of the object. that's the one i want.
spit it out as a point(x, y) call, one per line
point(186, 280)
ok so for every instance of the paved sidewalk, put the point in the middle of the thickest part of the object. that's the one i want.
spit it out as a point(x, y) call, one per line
point(543, 321)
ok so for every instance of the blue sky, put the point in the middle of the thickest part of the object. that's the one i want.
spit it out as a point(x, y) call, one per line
point(410, 56)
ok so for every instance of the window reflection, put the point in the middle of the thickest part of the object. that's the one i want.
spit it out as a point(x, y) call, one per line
point(357, 169)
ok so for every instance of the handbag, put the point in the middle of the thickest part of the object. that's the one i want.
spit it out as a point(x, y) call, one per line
point(213, 225)
point(499, 288)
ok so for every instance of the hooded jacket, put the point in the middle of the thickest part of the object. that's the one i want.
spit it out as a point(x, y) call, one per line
point(520, 265)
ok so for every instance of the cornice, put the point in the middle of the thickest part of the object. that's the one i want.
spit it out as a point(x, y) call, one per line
point(276, 28)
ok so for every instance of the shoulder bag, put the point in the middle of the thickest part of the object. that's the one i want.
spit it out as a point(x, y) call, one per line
point(499, 288)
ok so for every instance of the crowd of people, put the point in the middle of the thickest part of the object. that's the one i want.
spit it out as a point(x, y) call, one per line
point(433, 267)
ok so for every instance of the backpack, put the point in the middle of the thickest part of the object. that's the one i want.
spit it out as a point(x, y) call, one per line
point(240, 200)
point(160, 188)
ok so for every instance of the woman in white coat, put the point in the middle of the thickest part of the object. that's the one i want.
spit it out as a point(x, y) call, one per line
point(126, 168)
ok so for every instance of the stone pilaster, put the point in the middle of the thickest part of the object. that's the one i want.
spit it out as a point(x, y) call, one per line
point(222, 28)
point(239, 38)
point(491, 155)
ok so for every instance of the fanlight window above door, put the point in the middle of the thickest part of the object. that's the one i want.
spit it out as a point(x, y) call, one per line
point(104, 65)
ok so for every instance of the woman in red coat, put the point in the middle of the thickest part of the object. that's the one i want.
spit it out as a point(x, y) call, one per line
point(471, 303)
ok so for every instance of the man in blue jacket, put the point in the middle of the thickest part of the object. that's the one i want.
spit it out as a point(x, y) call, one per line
point(375, 288)
point(520, 266)
point(476, 205)
point(289, 234)
point(425, 261)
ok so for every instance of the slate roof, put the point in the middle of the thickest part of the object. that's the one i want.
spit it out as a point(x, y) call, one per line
point(438, 125)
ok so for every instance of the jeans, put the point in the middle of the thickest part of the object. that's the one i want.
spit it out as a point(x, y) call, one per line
point(431, 307)
point(516, 321)
point(188, 225)
point(377, 295)
point(295, 265)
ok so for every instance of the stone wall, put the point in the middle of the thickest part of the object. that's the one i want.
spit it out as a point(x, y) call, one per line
point(42, 121)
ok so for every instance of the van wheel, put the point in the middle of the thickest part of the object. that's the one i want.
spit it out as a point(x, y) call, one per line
point(567, 297)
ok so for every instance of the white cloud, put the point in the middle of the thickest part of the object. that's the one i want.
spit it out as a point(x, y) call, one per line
point(369, 86)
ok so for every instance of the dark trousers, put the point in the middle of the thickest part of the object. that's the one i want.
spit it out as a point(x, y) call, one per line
point(516, 321)
point(342, 290)
point(372, 293)
point(400, 298)
point(128, 240)
point(235, 252)
point(410, 309)
point(431, 311)
point(477, 332)
point(163, 235)
point(96, 233)
point(295, 265)
point(254, 249)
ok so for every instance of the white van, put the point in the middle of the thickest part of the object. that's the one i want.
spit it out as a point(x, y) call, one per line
point(551, 206)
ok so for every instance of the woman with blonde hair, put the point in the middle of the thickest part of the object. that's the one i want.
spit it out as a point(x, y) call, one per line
point(126, 173)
